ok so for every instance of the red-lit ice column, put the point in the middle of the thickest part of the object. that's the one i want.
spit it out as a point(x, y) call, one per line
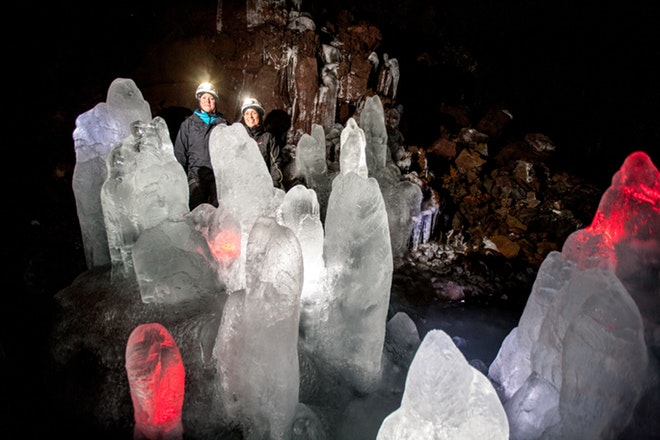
point(156, 378)
point(629, 212)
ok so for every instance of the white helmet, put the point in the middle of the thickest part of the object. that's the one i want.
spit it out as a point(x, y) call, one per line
point(206, 87)
point(252, 103)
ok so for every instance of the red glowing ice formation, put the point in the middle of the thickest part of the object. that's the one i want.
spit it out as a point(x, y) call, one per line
point(630, 208)
point(156, 378)
point(226, 246)
point(629, 212)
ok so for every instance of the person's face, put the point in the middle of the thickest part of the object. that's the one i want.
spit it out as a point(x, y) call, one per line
point(392, 118)
point(251, 117)
point(207, 103)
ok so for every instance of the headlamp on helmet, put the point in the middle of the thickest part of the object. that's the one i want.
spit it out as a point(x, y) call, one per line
point(206, 87)
point(252, 103)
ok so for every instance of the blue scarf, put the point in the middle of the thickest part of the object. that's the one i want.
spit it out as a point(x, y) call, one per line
point(206, 117)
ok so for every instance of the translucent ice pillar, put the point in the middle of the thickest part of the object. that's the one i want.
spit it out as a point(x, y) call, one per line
point(156, 378)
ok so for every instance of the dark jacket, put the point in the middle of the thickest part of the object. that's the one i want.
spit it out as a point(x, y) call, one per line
point(191, 146)
point(270, 151)
point(191, 149)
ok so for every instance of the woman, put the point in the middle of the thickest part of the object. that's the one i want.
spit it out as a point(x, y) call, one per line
point(191, 146)
point(252, 118)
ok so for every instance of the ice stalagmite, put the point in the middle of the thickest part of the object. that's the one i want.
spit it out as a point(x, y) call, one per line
point(358, 262)
point(157, 380)
point(403, 198)
point(577, 364)
point(353, 156)
point(576, 319)
point(388, 79)
point(372, 121)
point(243, 183)
point(300, 212)
point(445, 398)
point(145, 185)
point(403, 201)
point(97, 132)
point(256, 348)
point(312, 166)
point(358, 258)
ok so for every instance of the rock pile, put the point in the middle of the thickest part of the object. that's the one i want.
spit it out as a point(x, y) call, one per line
point(498, 203)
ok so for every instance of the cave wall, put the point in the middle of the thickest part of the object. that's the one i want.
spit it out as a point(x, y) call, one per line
point(278, 55)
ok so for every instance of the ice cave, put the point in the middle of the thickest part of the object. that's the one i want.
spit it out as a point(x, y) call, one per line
point(479, 286)
point(258, 320)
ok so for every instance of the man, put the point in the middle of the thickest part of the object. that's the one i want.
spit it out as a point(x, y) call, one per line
point(191, 147)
